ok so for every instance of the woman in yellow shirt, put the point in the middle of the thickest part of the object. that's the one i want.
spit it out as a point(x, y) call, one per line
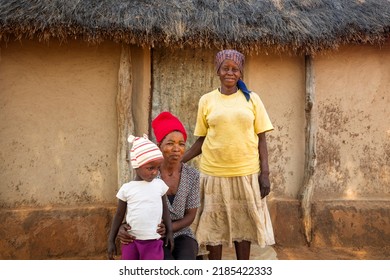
point(231, 125)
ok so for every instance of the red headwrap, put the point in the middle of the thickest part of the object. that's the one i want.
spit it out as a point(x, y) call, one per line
point(165, 123)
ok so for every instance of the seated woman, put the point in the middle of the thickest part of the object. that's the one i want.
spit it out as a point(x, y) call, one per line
point(183, 193)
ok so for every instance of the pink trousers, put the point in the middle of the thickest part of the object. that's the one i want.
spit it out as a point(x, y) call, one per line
point(143, 250)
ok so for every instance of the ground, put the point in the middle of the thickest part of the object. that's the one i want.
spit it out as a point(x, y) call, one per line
point(313, 253)
point(299, 253)
point(310, 253)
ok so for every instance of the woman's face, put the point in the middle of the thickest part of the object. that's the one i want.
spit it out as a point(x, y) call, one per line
point(229, 73)
point(173, 146)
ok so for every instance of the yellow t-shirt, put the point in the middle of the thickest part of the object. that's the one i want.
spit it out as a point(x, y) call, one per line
point(230, 125)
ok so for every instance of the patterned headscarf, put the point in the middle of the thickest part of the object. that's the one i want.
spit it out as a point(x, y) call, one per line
point(239, 59)
point(234, 55)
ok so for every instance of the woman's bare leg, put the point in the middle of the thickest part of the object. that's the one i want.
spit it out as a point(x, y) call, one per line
point(243, 250)
point(215, 252)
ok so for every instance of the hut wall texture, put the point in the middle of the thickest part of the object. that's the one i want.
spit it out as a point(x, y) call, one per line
point(59, 138)
point(141, 60)
point(179, 79)
point(58, 126)
point(352, 177)
point(353, 139)
point(280, 82)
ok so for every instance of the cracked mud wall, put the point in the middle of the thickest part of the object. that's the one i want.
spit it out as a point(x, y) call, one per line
point(353, 99)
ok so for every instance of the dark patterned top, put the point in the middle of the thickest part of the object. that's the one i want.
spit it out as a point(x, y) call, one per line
point(187, 197)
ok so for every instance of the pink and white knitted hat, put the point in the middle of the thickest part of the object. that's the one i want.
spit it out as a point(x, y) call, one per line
point(143, 151)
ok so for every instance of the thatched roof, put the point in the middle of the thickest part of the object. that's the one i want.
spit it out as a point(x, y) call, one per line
point(299, 26)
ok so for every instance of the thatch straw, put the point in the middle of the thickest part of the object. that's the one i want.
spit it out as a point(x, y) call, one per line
point(299, 26)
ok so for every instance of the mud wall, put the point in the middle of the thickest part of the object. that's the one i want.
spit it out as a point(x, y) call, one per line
point(58, 145)
point(58, 124)
point(352, 177)
point(353, 101)
point(280, 82)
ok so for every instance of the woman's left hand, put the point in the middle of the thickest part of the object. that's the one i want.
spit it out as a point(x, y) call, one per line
point(161, 229)
point(265, 185)
point(169, 241)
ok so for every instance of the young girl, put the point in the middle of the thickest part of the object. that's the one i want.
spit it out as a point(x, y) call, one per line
point(144, 199)
point(183, 182)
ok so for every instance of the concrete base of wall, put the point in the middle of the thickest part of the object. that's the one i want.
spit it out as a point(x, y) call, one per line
point(55, 233)
point(81, 233)
point(285, 216)
point(354, 223)
point(351, 223)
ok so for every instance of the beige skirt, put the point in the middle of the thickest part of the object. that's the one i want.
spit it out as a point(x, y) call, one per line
point(232, 210)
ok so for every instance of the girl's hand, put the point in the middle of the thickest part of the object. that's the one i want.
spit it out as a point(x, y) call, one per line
point(111, 252)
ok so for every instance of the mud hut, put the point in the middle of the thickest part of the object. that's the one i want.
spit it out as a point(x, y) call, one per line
point(76, 77)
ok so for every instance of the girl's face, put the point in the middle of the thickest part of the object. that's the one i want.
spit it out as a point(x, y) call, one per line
point(148, 171)
point(173, 146)
point(229, 73)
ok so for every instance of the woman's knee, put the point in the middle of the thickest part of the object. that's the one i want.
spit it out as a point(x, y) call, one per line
point(186, 248)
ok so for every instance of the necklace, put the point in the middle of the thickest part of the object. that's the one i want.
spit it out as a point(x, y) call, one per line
point(171, 171)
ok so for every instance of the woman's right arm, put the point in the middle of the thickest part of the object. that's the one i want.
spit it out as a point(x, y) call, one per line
point(189, 216)
point(195, 150)
point(123, 235)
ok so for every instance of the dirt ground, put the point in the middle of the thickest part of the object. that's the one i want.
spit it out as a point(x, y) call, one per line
point(277, 252)
point(310, 253)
